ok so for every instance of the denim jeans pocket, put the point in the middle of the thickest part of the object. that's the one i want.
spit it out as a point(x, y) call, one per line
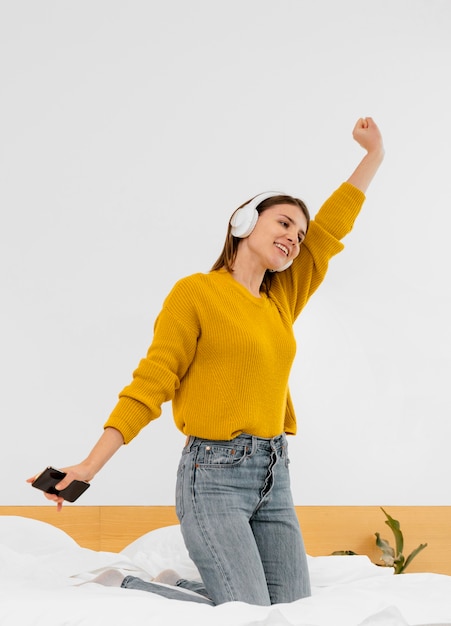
point(221, 455)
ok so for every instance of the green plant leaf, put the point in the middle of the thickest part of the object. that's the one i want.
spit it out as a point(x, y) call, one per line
point(394, 525)
point(388, 554)
point(384, 545)
point(413, 554)
point(387, 560)
point(399, 563)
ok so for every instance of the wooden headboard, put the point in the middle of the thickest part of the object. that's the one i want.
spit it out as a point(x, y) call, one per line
point(325, 528)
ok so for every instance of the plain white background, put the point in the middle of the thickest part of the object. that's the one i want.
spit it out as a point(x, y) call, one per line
point(130, 131)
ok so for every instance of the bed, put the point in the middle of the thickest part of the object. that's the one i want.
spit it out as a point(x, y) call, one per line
point(48, 561)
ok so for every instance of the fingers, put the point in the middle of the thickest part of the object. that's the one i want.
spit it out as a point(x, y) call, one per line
point(51, 496)
point(367, 134)
point(57, 499)
point(64, 483)
point(54, 498)
point(362, 123)
point(69, 477)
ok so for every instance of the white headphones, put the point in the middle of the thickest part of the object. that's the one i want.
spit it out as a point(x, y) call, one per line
point(243, 221)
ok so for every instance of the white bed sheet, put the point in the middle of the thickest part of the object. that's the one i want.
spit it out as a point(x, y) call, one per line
point(45, 581)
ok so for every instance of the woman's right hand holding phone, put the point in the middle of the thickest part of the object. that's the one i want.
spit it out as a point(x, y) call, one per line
point(110, 441)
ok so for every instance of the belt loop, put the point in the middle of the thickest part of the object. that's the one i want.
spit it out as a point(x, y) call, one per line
point(189, 442)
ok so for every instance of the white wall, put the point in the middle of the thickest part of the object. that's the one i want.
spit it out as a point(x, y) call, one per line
point(130, 132)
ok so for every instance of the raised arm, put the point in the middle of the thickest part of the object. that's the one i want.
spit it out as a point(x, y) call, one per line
point(367, 135)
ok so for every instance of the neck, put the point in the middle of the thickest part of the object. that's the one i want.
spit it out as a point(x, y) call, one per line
point(250, 277)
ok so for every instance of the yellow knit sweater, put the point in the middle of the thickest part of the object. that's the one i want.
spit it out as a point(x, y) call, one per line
point(223, 356)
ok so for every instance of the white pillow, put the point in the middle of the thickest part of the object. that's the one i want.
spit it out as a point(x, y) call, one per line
point(34, 550)
point(333, 570)
point(24, 535)
point(162, 549)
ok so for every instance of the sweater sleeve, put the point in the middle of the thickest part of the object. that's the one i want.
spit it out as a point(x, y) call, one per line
point(158, 375)
point(334, 220)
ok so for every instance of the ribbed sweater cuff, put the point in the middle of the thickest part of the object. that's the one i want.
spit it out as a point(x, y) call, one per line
point(128, 417)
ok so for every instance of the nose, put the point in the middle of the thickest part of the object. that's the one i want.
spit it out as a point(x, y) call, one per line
point(292, 237)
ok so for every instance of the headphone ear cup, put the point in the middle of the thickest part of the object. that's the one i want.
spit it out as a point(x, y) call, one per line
point(285, 267)
point(243, 221)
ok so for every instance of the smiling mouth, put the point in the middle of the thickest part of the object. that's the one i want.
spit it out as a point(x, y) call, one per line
point(283, 248)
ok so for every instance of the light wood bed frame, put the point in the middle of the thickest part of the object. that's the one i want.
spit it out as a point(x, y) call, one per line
point(325, 528)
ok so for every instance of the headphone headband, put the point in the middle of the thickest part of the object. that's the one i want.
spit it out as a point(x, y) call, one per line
point(259, 198)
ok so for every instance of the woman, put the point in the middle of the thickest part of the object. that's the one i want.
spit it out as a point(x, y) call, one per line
point(222, 351)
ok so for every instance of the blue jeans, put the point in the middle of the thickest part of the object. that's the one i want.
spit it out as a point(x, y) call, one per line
point(238, 521)
point(172, 593)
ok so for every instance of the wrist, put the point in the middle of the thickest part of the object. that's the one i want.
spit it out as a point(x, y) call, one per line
point(377, 153)
point(89, 469)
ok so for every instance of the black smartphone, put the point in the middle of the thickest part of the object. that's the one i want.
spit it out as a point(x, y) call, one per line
point(50, 477)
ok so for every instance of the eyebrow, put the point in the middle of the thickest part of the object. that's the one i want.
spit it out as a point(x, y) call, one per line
point(289, 219)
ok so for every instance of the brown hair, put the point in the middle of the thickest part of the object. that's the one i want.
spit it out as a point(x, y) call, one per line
point(227, 257)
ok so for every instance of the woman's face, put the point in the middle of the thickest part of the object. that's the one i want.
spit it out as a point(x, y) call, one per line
point(278, 234)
